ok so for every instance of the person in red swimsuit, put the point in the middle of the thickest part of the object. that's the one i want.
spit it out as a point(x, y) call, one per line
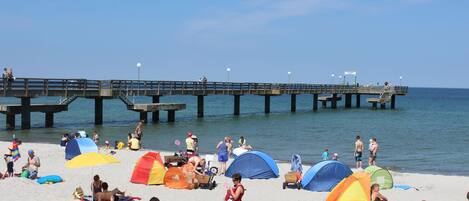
point(237, 192)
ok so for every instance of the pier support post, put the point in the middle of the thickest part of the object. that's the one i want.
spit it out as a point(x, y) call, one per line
point(334, 101)
point(144, 117)
point(348, 100)
point(315, 102)
point(10, 120)
point(267, 104)
point(383, 105)
point(393, 102)
point(324, 104)
point(171, 115)
point(293, 103)
point(98, 110)
point(357, 100)
point(237, 101)
point(200, 106)
point(49, 119)
point(25, 112)
point(374, 106)
point(155, 116)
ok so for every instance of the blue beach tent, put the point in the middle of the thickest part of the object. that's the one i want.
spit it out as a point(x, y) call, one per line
point(325, 175)
point(79, 146)
point(253, 165)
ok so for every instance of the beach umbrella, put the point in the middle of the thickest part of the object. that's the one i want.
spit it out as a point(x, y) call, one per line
point(90, 160)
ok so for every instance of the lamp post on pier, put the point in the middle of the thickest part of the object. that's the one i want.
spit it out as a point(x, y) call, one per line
point(400, 80)
point(138, 78)
point(228, 70)
point(289, 77)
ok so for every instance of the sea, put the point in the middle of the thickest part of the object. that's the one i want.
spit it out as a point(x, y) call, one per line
point(428, 132)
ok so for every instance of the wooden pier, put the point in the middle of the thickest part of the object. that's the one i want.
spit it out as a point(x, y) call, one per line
point(99, 90)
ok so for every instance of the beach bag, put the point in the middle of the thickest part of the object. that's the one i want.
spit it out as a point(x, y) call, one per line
point(24, 174)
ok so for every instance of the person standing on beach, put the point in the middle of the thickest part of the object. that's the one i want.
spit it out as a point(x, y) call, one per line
point(325, 154)
point(358, 152)
point(373, 151)
point(95, 138)
point(139, 130)
point(190, 145)
point(222, 152)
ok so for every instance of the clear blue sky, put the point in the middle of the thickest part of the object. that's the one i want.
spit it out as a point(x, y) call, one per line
point(425, 41)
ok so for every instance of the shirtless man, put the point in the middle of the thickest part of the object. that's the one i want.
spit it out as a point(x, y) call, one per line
point(198, 163)
point(358, 152)
point(373, 151)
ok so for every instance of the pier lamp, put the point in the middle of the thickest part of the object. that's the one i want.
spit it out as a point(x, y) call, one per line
point(332, 78)
point(400, 80)
point(289, 77)
point(228, 70)
point(138, 78)
point(340, 77)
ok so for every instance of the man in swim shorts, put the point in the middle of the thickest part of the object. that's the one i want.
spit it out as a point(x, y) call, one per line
point(358, 152)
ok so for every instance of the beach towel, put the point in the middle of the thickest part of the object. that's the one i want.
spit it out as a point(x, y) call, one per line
point(15, 152)
point(50, 179)
point(404, 187)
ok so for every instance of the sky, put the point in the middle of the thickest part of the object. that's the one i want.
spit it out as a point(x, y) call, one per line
point(424, 41)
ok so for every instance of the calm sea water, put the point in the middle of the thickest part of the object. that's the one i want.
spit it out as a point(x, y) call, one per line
point(428, 132)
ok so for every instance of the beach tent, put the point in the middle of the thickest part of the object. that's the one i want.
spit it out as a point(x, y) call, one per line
point(325, 175)
point(176, 179)
point(380, 176)
point(149, 169)
point(79, 146)
point(254, 165)
point(91, 159)
point(356, 187)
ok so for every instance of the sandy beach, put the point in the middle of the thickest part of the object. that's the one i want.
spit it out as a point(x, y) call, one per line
point(431, 187)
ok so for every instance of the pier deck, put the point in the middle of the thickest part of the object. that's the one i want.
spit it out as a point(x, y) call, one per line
point(99, 90)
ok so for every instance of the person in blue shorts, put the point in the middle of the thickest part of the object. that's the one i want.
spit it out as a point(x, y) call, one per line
point(223, 148)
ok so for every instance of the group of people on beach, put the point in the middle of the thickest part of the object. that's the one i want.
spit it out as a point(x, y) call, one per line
point(29, 170)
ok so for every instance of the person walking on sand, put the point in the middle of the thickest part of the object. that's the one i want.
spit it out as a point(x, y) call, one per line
point(222, 152)
point(358, 152)
point(373, 151)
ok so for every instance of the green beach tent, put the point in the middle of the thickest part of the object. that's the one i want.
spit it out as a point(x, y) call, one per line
point(380, 176)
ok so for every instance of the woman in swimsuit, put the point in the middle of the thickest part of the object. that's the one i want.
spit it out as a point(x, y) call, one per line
point(237, 192)
point(96, 186)
point(376, 195)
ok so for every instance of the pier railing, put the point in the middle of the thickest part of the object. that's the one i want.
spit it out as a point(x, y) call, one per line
point(30, 87)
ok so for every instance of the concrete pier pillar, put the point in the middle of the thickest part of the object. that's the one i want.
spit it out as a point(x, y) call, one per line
point(200, 106)
point(348, 100)
point(144, 117)
point(25, 113)
point(324, 104)
point(171, 115)
point(237, 101)
point(383, 105)
point(49, 119)
point(267, 104)
point(315, 102)
point(293, 103)
point(393, 102)
point(357, 100)
point(155, 116)
point(98, 110)
point(374, 106)
point(334, 101)
point(10, 121)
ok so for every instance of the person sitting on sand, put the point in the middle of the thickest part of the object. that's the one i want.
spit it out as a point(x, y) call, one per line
point(237, 192)
point(96, 186)
point(134, 144)
point(375, 194)
point(33, 164)
point(107, 195)
point(198, 163)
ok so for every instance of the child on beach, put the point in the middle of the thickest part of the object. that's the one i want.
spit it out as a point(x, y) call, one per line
point(325, 154)
point(335, 156)
point(9, 163)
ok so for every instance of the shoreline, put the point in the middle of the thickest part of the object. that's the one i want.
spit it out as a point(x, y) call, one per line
point(431, 187)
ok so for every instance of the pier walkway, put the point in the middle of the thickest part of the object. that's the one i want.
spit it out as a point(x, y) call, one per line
point(71, 89)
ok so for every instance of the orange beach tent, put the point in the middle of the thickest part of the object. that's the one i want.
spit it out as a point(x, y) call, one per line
point(355, 187)
point(175, 178)
point(149, 169)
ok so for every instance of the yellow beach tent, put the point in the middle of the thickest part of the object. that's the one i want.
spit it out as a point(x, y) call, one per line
point(355, 187)
point(90, 159)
